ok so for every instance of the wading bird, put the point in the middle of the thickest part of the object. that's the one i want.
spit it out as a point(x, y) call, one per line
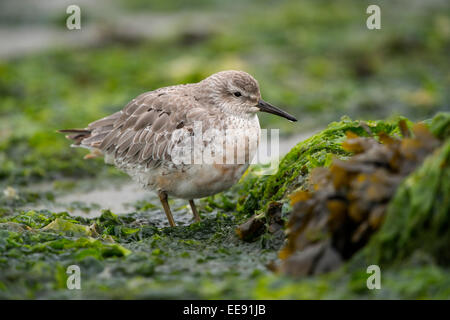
point(141, 138)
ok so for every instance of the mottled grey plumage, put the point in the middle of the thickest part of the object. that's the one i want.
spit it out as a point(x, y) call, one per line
point(138, 139)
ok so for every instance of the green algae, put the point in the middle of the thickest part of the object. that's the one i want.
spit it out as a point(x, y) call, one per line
point(411, 247)
point(293, 170)
point(407, 282)
point(440, 125)
point(126, 256)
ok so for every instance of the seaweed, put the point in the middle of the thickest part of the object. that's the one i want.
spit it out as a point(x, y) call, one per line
point(418, 217)
point(261, 192)
point(297, 164)
point(350, 200)
point(125, 256)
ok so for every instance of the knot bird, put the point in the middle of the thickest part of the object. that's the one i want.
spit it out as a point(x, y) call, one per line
point(141, 139)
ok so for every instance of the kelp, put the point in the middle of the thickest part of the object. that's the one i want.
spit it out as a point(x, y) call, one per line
point(418, 218)
point(411, 247)
point(262, 192)
point(350, 199)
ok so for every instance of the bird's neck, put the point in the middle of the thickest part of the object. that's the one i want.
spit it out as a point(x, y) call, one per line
point(242, 121)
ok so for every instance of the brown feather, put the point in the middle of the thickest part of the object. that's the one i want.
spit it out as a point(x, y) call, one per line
point(74, 131)
point(141, 132)
point(146, 119)
point(106, 121)
point(109, 139)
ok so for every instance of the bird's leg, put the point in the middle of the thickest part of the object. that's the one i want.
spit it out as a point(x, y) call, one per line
point(194, 210)
point(163, 198)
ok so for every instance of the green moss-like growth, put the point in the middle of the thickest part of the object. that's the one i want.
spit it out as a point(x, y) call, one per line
point(412, 247)
point(297, 164)
point(440, 125)
point(125, 256)
point(408, 282)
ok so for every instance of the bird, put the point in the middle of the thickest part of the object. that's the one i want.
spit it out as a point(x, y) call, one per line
point(145, 138)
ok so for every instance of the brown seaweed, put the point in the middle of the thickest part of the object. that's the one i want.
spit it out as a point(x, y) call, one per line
point(347, 202)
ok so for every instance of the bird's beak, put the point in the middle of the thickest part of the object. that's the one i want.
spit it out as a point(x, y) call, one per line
point(267, 107)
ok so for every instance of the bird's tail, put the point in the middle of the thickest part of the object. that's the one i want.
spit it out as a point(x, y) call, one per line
point(76, 135)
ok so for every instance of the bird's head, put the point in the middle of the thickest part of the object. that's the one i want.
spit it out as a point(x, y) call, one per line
point(238, 92)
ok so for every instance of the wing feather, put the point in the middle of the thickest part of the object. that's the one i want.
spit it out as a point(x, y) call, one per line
point(141, 133)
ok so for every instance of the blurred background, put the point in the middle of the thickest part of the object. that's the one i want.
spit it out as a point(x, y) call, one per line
point(316, 59)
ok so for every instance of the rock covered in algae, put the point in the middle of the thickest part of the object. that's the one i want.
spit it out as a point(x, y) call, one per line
point(350, 200)
point(418, 218)
point(316, 151)
point(262, 193)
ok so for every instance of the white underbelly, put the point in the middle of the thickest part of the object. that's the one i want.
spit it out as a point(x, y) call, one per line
point(192, 182)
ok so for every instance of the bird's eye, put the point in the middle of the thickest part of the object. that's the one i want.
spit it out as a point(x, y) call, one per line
point(237, 94)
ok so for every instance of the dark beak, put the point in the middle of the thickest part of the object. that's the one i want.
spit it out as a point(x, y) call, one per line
point(267, 107)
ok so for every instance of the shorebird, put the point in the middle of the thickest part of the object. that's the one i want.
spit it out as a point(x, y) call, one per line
point(141, 138)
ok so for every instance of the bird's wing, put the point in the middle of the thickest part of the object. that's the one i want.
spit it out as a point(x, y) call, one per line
point(141, 133)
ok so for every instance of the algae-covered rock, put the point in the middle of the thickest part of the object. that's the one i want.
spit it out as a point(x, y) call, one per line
point(411, 247)
point(260, 192)
point(349, 200)
point(313, 152)
point(418, 217)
